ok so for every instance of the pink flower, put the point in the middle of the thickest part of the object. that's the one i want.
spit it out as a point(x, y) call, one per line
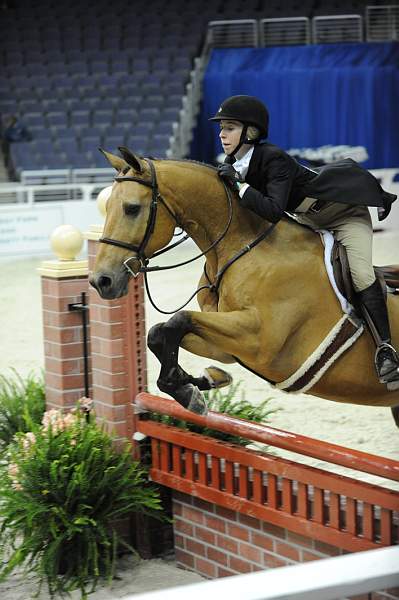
point(50, 418)
point(85, 404)
point(70, 420)
point(29, 440)
point(13, 470)
point(58, 421)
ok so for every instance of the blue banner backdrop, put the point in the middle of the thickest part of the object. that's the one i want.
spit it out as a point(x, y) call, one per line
point(317, 95)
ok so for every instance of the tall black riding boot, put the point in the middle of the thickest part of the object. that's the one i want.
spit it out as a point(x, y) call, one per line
point(375, 310)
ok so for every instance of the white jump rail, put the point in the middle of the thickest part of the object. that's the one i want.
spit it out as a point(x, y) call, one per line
point(326, 579)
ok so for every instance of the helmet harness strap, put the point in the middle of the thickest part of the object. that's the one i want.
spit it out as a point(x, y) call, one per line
point(230, 158)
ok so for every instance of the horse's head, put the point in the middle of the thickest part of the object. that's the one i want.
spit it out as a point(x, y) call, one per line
point(138, 223)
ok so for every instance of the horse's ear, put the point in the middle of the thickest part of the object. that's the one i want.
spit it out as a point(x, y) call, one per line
point(115, 161)
point(131, 158)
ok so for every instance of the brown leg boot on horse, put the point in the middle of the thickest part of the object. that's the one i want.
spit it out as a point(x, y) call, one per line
point(375, 311)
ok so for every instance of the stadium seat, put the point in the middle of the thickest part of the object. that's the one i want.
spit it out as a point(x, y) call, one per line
point(90, 94)
point(149, 114)
point(79, 118)
point(102, 118)
point(120, 66)
point(34, 120)
point(57, 119)
point(68, 145)
point(107, 83)
point(60, 80)
point(29, 105)
point(35, 69)
point(125, 115)
point(56, 68)
point(99, 67)
point(140, 64)
point(182, 63)
point(79, 160)
point(36, 132)
point(105, 104)
point(165, 127)
point(65, 134)
point(160, 63)
point(117, 130)
point(171, 115)
point(78, 68)
point(143, 128)
point(90, 144)
point(112, 142)
point(137, 143)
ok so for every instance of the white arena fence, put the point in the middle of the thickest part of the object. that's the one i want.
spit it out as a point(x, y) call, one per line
point(29, 213)
point(335, 578)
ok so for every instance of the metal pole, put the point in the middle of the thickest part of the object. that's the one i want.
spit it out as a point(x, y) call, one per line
point(83, 308)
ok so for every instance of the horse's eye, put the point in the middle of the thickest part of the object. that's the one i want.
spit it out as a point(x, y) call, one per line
point(132, 209)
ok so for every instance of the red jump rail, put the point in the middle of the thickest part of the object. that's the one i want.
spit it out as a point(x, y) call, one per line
point(336, 509)
point(339, 455)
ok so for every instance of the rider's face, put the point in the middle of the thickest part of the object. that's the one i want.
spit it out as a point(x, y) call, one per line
point(230, 133)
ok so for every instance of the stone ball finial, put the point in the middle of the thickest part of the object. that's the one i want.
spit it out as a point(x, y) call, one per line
point(66, 242)
point(102, 199)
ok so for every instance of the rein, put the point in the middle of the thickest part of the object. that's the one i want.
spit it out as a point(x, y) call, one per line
point(140, 249)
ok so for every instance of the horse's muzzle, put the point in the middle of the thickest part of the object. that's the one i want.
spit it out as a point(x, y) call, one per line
point(108, 285)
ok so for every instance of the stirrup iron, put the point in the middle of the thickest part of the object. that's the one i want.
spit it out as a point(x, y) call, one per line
point(391, 377)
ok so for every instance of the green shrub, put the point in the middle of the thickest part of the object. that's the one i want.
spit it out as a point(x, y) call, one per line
point(225, 401)
point(22, 405)
point(61, 493)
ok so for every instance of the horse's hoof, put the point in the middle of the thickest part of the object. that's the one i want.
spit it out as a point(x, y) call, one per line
point(191, 398)
point(393, 386)
point(217, 377)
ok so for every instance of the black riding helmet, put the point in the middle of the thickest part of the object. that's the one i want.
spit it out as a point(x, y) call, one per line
point(246, 109)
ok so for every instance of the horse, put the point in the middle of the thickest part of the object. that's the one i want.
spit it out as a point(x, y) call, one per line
point(266, 305)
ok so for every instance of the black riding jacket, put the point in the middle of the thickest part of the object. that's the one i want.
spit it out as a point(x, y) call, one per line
point(278, 184)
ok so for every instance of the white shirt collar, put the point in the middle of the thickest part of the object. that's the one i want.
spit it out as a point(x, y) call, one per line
point(242, 165)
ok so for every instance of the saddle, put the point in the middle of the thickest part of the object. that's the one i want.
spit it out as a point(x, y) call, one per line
point(388, 276)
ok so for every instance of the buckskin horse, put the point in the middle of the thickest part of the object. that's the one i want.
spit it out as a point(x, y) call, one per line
point(265, 298)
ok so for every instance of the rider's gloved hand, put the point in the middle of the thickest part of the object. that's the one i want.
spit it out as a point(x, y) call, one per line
point(230, 175)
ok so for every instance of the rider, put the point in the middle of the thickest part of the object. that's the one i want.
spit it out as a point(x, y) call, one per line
point(334, 197)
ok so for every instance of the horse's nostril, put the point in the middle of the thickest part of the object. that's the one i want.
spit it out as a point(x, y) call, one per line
point(104, 282)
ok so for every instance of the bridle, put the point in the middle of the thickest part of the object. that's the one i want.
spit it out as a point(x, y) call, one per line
point(140, 249)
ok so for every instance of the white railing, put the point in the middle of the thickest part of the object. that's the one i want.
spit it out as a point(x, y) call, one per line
point(285, 32)
point(16, 193)
point(326, 579)
point(233, 34)
point(382, 23)
point(58, 176)
point(337, 28)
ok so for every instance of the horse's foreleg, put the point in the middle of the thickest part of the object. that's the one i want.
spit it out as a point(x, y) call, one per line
point(164, 340)
point(228, 332)
point(213, 376)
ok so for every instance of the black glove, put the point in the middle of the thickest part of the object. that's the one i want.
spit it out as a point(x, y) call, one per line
point(230, 175)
